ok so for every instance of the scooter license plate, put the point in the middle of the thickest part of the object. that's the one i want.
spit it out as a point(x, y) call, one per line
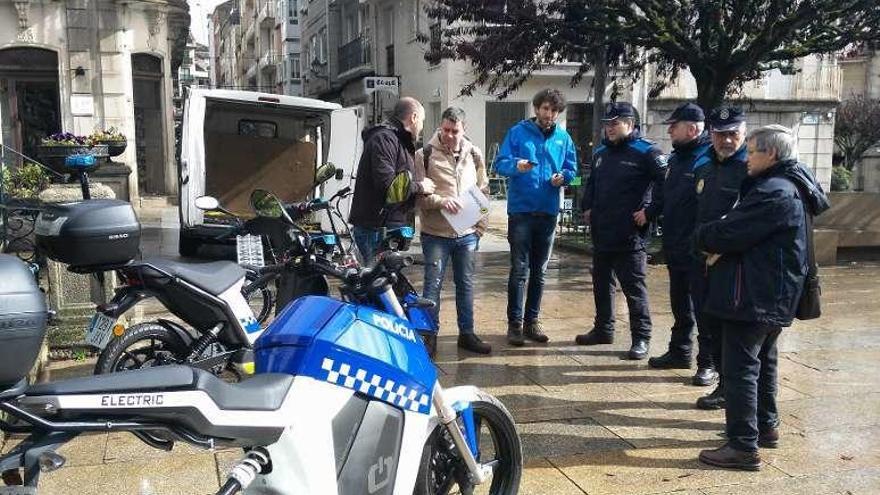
point(100, 330)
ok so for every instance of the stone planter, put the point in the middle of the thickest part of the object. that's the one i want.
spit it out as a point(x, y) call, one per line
point(54, 155)
point(115, 148)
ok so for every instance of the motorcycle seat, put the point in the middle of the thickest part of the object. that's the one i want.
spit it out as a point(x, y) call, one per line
point(253, 412)
point(213, 277)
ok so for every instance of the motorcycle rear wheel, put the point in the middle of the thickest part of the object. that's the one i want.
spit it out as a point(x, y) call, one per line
point(441, 468)
point(142, 346)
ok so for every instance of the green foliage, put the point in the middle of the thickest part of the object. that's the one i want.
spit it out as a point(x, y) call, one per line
point(840, 178)
point(723, 44)
point(25, 182)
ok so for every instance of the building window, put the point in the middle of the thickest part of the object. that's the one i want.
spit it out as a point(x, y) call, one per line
point(415, 18)
point(293, 12)
point(295, 69)
point(322, 48)
point(435, 42)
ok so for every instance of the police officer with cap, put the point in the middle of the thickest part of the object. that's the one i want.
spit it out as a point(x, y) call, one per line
point(622, 195)
point(718, 172)
point(689, 141)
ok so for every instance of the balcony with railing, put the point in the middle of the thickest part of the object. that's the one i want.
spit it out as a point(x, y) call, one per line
point(355, 54)
point(268, 11)
point(269, 60)
point(251, 71)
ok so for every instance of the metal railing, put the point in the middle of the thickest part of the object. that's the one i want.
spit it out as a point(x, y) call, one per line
point(355, 53)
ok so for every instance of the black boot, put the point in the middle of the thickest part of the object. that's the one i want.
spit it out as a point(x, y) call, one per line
point(515, 334)
point(638, 350)
point(714, 400)
point(705, 377)
point(594, 337)
point(534, 331)
point(471, 342)
point(669, 361)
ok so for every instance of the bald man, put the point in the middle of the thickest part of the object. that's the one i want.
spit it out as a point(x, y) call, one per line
point(388, 150)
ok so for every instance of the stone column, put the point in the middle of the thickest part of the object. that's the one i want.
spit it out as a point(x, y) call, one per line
point(73, 296)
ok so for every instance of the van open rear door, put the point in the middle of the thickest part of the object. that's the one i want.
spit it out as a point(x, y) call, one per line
point(345, 152)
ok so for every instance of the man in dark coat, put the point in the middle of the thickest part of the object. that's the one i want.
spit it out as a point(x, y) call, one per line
point(689, 142)
point(718, 173)
point(388, 150)
point(760, 261)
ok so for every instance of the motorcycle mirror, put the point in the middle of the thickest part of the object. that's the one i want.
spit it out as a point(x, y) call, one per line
point(266, 204)
point(207, 203)
point(324, 173)
point(398, 191)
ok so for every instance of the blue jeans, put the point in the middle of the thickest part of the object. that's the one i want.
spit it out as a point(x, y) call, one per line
point(368, 242)
point(461, 250)
point(531, 239)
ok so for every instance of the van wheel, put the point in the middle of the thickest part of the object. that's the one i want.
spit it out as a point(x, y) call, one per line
point(187, 246)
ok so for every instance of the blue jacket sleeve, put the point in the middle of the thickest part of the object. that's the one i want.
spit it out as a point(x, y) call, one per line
point(505, 162)
point(757, 216)
point(570, 165)
point(657, 169)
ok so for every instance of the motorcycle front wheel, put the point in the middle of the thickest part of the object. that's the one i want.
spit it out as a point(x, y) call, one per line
point(441, 468)
point(142, 346)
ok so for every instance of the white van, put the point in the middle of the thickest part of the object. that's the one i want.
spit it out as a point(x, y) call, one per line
point(236, 141)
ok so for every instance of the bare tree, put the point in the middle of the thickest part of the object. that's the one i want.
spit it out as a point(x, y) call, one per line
point(857, 128)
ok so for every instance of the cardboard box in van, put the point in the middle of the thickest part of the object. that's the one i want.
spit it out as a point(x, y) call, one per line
point(236, 141)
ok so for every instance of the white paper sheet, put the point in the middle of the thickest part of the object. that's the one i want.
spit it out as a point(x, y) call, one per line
point(474, 203)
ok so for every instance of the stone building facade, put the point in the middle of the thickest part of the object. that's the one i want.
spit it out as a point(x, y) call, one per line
point(81, 65)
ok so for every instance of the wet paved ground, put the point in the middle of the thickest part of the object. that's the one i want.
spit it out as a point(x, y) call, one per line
point(591, 422)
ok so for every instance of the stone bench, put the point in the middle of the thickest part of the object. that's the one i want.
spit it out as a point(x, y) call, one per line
point(852, 222)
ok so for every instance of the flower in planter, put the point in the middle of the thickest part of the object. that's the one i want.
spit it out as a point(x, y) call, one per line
point(111, 134)
point(67, 139)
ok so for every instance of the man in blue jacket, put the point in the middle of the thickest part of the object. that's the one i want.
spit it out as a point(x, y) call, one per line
point(623, 194)
point(755, 286)
point(686, 130)
point(538, 157)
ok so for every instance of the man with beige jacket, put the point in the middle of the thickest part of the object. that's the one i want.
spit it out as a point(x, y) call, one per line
point(454, 164)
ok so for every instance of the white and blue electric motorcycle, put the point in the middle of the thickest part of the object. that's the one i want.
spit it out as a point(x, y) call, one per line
point(345, 401)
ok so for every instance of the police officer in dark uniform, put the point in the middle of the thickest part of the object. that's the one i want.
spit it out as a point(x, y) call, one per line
point(718, 173)
point(689, 141)
point(619, 203)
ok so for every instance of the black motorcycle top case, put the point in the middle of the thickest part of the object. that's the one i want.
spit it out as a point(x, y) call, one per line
point(95, 232)
point(22, 320)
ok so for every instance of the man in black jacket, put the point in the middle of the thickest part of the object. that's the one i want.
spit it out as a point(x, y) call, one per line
point(623, 194)
point(686, 126)
point(718, 173)
point(755, 286)
point(388, 150)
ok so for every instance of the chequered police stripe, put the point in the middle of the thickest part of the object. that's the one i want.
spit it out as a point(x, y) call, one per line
point(376, 386)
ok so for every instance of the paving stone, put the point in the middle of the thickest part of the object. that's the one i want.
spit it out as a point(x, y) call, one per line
point(540, 477)
point(851, 482)
point(171, 475)
point(644, 471)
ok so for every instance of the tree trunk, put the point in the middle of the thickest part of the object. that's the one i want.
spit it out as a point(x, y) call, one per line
point(710, 91)
point(600, 76)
